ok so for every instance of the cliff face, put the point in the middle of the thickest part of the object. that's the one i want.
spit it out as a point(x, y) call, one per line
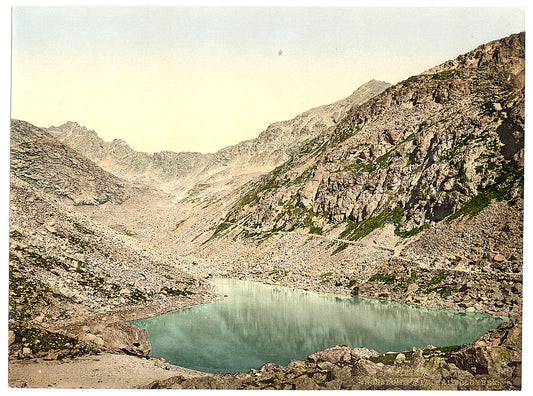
point(438, 145)
point(275, 145)
point(46, 163)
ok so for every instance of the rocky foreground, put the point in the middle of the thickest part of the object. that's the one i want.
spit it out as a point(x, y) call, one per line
point(492, 362)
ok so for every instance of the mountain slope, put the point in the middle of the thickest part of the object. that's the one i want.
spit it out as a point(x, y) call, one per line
point(443, 143)
point(421, 185)
point(168, 170)
point(72, 281)
point(50, 165)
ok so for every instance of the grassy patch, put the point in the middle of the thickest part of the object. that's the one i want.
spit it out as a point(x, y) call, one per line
point(170, 291)
point(444, 75)
point(137, 295)
point(385, 278)
point(412, 231)
point(16, 235)
point(41, 340)
point(344, 134)
point(280, 272)
point(357, 230)
point(351, 283)
point(369, 166)
point(99, 285)
point(508, 186)
point(340, 248)
point(34, 258)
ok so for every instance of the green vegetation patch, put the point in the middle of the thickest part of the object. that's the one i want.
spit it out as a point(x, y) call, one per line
point(508, 186)
point(16, 235)
point(34, 258)
point(357, 230)
point(170, 291)
point(280, 272)
point(137, 295)
point(460, 144)
point(371, 165)
point(444, 75)
point(83, 229)
point(42, 340)
point(351, 283)
point(26, 296)
point(412, 231)
point(434, 284)
point(385, 278)
point(99, 285)
point(344, 134)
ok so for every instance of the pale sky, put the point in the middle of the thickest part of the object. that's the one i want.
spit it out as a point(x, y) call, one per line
point(199, 79)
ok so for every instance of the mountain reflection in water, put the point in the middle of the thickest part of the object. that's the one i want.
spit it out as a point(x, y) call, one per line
point(260, 323)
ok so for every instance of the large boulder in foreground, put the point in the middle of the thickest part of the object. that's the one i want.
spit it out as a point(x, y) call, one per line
point(126, 338)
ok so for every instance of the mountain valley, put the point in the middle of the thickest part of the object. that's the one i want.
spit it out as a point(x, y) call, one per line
point(410, 192)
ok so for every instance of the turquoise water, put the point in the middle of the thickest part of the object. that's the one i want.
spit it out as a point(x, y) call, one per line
point(260, 323)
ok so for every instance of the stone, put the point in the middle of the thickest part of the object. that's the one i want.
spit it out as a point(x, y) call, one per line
point(126, 338)
point(303, 382)
point(498, 257)
point(363, 353)
point(335, 354)
point(399, 359)
point(52, 355)
point(413, 287)
point(10, 337)
point(365, 368)
point(474, 359)
point(418, 358)
point(267, 368)
point(26, 351)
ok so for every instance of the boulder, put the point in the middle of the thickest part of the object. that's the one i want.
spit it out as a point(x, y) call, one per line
point(10, 337)
point(335, 355)
point(363, 353)
point(304, 383)
point(365, 368)
point(399, 359)
point(126, 338)
point(412, 288)
point(418, 358)
point(474, 359)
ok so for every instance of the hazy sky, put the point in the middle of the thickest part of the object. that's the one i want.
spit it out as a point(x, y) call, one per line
point(199, 79)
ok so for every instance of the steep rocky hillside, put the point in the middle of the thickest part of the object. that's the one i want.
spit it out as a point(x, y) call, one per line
point(436, 146)
point(179, 172)
point(50, 165)
point(73, 281)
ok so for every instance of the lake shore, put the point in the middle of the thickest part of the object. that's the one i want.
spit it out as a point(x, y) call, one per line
point(131, 371)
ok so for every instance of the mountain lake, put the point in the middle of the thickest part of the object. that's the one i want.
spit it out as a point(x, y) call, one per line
point(257, 323)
